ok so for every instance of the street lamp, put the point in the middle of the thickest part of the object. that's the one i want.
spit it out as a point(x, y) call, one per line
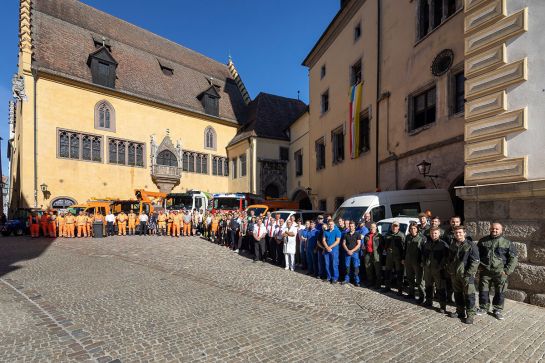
point(424, 170)
point(309, 190)
point(44, 187)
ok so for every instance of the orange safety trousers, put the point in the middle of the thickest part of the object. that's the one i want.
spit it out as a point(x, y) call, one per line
point(122, 228)
point(132, 227)
point(70, 229)
point(176, 229)
point(62, 230)
point(187, 229)
point(82, 230)
point(44, 229)
point(52, 229)
point(169, 228)
point(89, 229)
point(35, 230)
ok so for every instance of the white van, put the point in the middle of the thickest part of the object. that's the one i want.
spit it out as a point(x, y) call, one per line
point(399, 203)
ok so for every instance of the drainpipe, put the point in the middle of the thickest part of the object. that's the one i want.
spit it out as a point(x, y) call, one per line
point(35, 77)
point(379, 46)
point(251, 165)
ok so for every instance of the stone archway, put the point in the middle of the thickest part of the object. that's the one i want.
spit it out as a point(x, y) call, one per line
point(303, 199)
point(415, 184)
point(457, 203)
point(272, 191)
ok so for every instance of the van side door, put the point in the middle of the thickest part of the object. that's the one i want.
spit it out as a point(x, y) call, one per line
point(378, 213)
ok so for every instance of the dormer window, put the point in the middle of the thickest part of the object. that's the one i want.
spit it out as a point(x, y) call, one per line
point(103, 66)
point(167, 71)
point(210, 100)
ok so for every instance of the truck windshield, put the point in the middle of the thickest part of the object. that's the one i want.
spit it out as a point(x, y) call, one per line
point(227, 203)
point(180, 202)
point(350, 213)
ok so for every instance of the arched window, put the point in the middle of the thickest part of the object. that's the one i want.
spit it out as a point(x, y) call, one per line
point(210, 138)
point(62, 202)
point(104, 116)
point(167, 158)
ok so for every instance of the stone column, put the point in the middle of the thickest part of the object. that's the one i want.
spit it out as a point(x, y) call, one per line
point(505, 133)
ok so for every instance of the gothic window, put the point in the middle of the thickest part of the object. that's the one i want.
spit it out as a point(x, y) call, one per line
point(78, 146)
point(225, 167)
point(210, 138)
point(243, 163)
point(167, 158)
point(219, 166)
point(104, 116)
point(125, 152)
point(74, 146)
point(86, 148)
point(215, 165)
point(64, 143)
point(432, 13)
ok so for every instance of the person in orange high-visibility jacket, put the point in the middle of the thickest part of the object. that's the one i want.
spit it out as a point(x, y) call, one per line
point(161, 223)
point(61, 225)
point(34, 224)
point(131, 218)
point(81, 222)
point(170, 220)
point(90, 220)
point(176, 223)
point(52, 225)
point(122, 224)
point(44, 222)
point(70, 225)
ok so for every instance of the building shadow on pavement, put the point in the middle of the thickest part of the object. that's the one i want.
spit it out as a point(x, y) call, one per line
point(14, 250)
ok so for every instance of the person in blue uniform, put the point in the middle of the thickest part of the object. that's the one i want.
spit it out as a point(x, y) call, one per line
point(330, 242)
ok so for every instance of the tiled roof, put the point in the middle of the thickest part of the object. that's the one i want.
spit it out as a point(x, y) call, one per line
point(63, 32)
point(269, 116)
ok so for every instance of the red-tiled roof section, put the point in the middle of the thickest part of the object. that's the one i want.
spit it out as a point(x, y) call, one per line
point(63, 33)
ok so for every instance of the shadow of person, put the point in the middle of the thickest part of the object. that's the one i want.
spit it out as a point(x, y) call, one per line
point(17, 249)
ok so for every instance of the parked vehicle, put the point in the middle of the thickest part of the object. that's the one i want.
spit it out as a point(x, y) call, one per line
point(193, 199)
point(17, 225)
point(304, 215)
point(259, 209)
point(232, 202)
point(401, 203)
point(385, 225)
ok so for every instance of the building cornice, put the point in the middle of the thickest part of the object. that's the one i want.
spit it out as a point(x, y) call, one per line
point(343, 17)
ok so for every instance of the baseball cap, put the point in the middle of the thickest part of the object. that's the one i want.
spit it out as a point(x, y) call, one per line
point(395, 223)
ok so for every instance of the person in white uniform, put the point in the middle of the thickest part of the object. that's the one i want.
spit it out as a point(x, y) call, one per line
point(290, 236)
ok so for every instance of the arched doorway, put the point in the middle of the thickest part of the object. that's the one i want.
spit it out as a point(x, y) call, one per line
point(304, 201)
point(272, 191)
point(415, 184)
point(167, 158)
point(457, 203)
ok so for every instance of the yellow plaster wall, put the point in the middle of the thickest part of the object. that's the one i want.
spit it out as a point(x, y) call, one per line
point(358, 175)
point(299, 135)
point(239, 184)
point(68, 106)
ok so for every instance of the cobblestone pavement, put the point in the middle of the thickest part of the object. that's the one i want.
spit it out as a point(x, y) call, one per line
point(137, 298)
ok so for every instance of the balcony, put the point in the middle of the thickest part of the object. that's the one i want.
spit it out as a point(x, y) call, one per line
point(164, 171)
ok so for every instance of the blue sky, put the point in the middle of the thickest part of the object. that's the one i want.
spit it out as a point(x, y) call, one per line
point(267, 39)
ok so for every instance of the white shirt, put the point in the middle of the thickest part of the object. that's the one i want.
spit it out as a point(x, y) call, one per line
point(110, 218)
point(290, 241)
point(271, 227)
point(143, 217)
point(259, 231)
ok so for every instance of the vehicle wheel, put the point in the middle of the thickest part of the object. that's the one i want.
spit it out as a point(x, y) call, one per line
point(19, 232)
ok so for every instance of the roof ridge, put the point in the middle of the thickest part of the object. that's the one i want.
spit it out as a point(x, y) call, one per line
point(136, 27)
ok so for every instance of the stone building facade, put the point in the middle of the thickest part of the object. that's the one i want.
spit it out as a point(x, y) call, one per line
point(504, 132)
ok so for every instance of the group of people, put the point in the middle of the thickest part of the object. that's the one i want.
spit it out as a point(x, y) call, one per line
point(426, 264)
point(72, 225)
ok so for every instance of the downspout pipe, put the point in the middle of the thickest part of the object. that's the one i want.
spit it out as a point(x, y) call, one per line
point(35, 77)
point(378, 95)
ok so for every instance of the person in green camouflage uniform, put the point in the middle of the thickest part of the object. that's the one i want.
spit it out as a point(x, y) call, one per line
point(424, 226)
point(498, 261)
point(463, 263)
point(434, 258)
point(394, 245)
point(372, 250)
point(414, 244)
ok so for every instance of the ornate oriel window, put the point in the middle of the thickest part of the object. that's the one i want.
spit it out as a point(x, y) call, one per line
point(210, 138)
point(79, 146)
point(167, 158)
point(104, 116)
